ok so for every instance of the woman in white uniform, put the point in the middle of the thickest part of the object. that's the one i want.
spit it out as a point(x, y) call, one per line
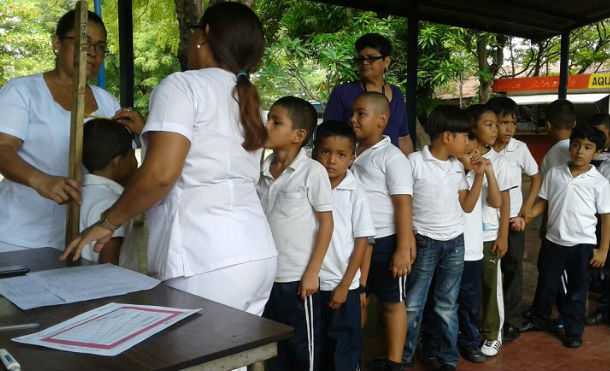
point(202, 141)
point(35, 137)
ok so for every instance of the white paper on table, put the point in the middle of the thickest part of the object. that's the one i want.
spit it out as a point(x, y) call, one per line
point(26, 294)
point(107, 330)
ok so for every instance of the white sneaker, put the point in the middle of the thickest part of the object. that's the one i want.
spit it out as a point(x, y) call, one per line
point(491, 347)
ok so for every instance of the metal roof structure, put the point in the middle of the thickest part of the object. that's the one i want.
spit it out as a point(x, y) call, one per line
point(532, 19)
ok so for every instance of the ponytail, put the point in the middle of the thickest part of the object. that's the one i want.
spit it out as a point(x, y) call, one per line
point(250, 113)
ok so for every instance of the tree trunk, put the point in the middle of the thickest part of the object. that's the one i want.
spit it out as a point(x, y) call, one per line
point(486, 81)
point(188, 13)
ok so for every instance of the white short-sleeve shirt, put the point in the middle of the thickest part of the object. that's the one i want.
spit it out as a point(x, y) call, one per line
point(291, 202)
point(383, 171)
point(521, 160)
point(559, 154)
point(573, 203)
point(506, 182)
point(604, 169)
point(212, 217)
point(437, 212)
point(28, 112)
point(98, 194)
point(473, 228)
point(352, 219)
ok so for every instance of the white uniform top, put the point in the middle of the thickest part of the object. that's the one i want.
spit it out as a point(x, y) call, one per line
point(30, 114)
point(573, 203)
point(352, 219)
point(604, 169)
point(291, 202)
point(506, 182)
point(383, 171)
point(521, 160)
point(437, 212)
point(99, 194)
point(473, 228)
point(212, 217)
point(559, 154)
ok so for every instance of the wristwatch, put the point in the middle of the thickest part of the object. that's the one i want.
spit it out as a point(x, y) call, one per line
point(105, 223)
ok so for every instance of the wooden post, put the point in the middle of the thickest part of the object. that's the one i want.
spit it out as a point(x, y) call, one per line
point(79, 79)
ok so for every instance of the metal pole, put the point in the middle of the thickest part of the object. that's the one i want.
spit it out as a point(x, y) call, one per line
point(412, 37)
point(563, 66)
point(101, 76)
point(126, 51)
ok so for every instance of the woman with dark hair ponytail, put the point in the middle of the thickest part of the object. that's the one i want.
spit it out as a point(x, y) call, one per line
point(202, 141)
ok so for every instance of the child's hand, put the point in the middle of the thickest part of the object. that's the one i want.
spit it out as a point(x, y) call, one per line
point(478, 164)
point(309, 284)
point(517, 224)
point(363, 301)
point(338, 297)
point(500, 246)
point(400, 264)
point(599, 258)
point(489, 169)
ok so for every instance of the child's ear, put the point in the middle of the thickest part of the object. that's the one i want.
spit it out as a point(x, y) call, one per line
point(549, 126)
point(299, 135)
point(382, 120)
point(447, 137)
point(115, 163)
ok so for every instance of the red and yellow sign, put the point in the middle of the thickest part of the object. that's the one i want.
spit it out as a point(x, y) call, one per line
point(595, 81)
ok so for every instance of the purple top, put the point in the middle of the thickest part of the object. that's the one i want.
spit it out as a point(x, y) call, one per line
point(339, 108)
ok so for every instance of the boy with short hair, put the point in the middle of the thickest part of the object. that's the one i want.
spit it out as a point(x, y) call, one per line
point(573, 194)
point(296, 196)
point(341, 342)
point(109, 157)
point(440, 197)
point(520, 160)
point(560, 120)
point(601, 121)
point(385, 174)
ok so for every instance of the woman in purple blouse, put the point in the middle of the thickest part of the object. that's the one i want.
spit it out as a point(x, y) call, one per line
point(374, 57)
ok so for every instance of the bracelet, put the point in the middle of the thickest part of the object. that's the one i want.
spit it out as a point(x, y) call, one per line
point(362, 289)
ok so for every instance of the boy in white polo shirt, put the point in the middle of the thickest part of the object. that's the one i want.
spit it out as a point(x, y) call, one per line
point(296, 196)
point(440, 197)
point(573, 194)
point(521, 160)
point(385, 174)
point(109, 157)
point(341, 342)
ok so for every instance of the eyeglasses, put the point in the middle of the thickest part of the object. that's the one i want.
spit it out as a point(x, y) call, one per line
point(100, 48)
point(368, 59)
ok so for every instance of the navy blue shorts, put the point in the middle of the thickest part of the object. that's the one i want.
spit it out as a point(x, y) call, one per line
point(380, 281)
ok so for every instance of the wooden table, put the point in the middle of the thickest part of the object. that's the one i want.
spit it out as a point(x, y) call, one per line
point(218, 337)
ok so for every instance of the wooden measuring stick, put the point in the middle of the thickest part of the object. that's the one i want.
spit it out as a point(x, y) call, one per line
point(79, 79)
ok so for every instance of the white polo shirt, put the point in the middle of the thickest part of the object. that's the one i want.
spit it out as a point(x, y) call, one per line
point(437, 212)
point(291, 202)
point(99, 194)
point(573, 203)
point(383, 171)
point(352, 219)
point(30, 114)
point(604, 169)
point(473, 228)
point(559, 154)
point(521, 160)
point(506, 182)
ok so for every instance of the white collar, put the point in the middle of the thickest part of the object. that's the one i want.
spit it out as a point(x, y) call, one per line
point(96, 180)
point(349, 182)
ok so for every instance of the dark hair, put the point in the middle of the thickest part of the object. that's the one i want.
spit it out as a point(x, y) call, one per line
point(302, 114)
point(561, 114)
point(103, 140)
point(66, 22)
point(328, 129)
point(448, 118)
point(375, 41)
point(237, 43)
point(503, 106)
point(590, 133)
point(475, 111)
point(599, 119)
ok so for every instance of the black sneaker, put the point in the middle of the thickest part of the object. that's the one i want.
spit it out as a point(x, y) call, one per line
point(510, 333)
point(447, 367)
point(572, 341)
point(529, 326)
point(474, 355)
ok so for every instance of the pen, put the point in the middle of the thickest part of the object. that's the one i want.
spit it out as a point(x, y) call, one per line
point(22, 326)
point(10, 363)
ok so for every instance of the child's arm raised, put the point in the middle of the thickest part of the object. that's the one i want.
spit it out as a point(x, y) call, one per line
point(468, 198)
point(339, 294)
point(601, 253)
point(403, 215)
point(310, 282)
point(494, 198)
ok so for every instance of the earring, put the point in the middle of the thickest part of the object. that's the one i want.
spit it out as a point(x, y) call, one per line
point(198, 46)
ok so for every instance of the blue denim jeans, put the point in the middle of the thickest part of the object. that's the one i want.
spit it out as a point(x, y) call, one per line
point(446, 259)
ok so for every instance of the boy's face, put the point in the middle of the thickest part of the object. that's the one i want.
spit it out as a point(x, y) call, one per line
point(336, 154)
point(365, 120)
point(127, 167)
point(280, 133)
point(582, 151)
point(507, 125)
point(486, 129)
point(604, 129)
point(457, 144)
point(471, 150)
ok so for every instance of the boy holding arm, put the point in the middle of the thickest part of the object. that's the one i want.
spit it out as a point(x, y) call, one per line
point(296, 196)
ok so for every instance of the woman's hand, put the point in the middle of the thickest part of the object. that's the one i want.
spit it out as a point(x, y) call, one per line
point(94, 233)
point(133, 120)
point(56, 188)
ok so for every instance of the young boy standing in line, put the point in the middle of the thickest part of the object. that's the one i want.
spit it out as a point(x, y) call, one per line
point(341, 342)
point(296, 196)
point(385, 174)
